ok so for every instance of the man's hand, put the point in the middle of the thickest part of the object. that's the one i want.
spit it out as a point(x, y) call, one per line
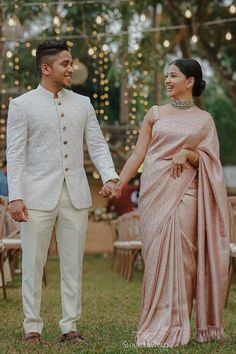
point(179, 163)
point(18, 211)
point(111, 190)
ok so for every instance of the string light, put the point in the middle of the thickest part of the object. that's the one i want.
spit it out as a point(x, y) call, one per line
point(194, 39)
point(232, 9)
point(134, 97)
point(188, 13)
point(9, 54)
point(99, 20)
point(105, 48)
point(142, 17)
point(228, 36)
point(56, 21)
point(166, 43)
point(11, 21)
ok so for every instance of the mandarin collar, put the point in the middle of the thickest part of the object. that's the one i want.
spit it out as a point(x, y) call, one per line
point(50, 94)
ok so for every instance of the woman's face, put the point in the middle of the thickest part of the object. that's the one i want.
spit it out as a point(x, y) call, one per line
point(178, 86)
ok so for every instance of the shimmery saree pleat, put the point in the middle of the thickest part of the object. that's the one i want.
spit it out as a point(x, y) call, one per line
point(167, 303)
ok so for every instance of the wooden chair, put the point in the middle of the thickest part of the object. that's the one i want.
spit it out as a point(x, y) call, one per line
point(127, 244)
point(232, 214)
point(10, 238)
point(2, 258)
point(3, 208)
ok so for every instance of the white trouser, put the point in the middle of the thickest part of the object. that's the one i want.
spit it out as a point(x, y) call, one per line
point(70, 226)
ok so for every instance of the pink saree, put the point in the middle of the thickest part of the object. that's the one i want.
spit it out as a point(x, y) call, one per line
point(184, 232)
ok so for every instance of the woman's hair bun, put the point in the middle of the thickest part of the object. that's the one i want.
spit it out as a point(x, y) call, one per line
point(198, 88)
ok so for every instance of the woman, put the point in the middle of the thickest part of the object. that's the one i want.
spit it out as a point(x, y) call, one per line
point(183, 215)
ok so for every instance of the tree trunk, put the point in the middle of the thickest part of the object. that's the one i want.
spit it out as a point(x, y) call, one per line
point(1, 42)
point(124, 107)
point(155, 40)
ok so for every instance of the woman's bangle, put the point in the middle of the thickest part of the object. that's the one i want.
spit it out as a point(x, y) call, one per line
point(195, 158)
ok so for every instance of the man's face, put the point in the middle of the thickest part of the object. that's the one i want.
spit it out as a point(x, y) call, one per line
point(59, 70)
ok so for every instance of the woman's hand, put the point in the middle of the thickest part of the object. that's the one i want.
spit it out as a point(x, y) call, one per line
point(111, 190)
point(179, 162)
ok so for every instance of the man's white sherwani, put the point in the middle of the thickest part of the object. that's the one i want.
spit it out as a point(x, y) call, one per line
point(45, 146)
point(45, 138)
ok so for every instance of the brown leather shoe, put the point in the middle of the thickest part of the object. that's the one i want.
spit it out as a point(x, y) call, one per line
point(72, 336)
point(32, 337)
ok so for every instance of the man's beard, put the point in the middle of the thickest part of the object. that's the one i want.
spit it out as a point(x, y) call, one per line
point(66, 86)
point(62, 85)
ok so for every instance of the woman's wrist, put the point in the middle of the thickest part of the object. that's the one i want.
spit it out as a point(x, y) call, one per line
point(191, 156)
point(186, 153)
point(122, 182)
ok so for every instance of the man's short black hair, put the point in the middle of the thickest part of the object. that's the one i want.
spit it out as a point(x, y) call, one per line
point(48, 49)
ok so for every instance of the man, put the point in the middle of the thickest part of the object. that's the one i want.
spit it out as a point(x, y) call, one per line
point(48, 185)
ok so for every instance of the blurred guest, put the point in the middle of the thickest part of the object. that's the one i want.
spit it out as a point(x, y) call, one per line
point(3, 179)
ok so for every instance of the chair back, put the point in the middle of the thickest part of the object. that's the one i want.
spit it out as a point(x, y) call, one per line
point(3, 210)
point(126, 226)
point(232, 216)
point(12, 227)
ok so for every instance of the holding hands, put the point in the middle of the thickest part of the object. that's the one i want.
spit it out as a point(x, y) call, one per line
point(111, 189)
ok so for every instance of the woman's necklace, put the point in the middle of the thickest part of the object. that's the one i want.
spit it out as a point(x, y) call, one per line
point(182, 104)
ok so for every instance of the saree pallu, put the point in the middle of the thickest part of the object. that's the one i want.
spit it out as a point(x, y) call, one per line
point(184, 232)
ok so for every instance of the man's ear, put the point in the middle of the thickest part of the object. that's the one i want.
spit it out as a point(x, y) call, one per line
point(45, 68)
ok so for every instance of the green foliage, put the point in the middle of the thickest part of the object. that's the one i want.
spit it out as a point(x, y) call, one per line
point(224, 113)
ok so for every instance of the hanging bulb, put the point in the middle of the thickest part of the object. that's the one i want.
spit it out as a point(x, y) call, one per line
point(166, 43)
point(99, 20)
point(142, 17)
point(232, 9)
point(188, 13)
point(228, 36)
point(194, 39)
point(90, 51)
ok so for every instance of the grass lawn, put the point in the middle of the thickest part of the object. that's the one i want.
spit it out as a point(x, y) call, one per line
point(109, 319)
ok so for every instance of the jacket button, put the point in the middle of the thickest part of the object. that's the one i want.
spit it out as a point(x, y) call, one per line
point(62, 115)
point(64, 128)
point(66, 169)
point(65, 142)
point(59, 103)
point(66, 155)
